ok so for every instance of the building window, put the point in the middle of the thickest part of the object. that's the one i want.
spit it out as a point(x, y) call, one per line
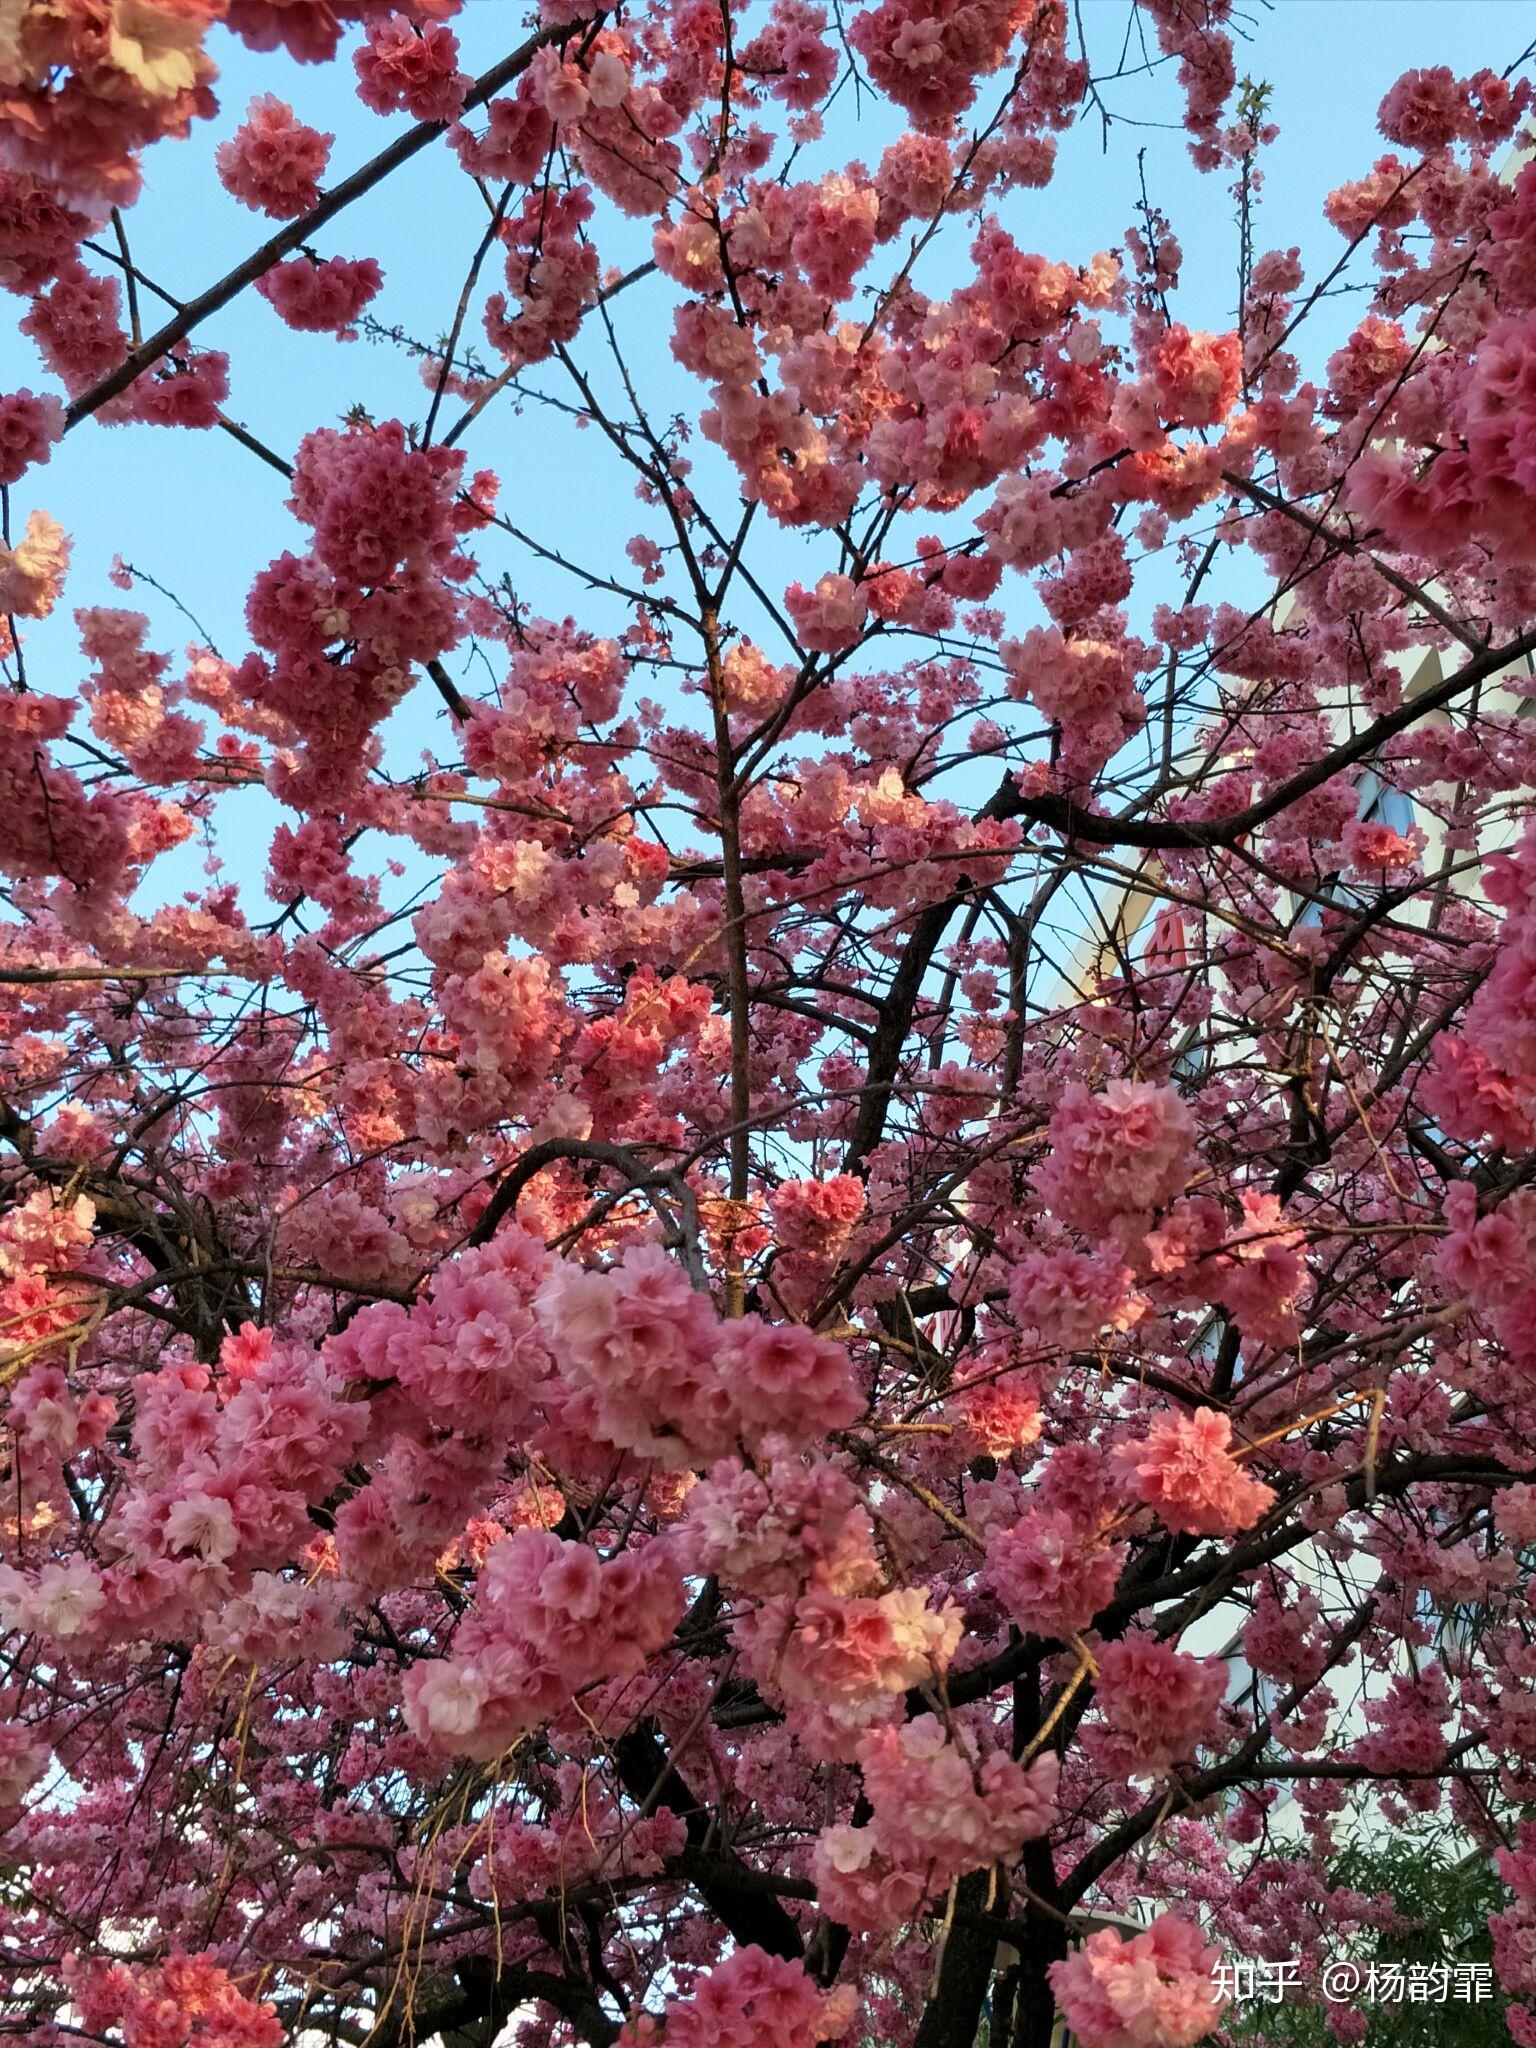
point(1380, 804)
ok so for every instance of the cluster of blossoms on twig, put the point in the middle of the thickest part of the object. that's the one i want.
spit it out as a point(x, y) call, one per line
point(855, 1284)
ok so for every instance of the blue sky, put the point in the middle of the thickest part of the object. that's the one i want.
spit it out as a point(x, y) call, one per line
point(201, 515)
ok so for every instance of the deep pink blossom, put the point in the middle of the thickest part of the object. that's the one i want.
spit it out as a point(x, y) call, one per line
point(1156, 1989)
point(1184, 1469)
point(274, 161)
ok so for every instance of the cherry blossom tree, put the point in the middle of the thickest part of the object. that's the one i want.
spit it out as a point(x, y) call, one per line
point(851, 1295)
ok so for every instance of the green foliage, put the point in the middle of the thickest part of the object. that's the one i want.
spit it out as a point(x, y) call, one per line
point(1446, 1898)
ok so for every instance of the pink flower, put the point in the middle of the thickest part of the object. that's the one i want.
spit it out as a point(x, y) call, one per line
point(321, 298)
point(43, 1411)
point(1118, 1156)
point(32, 573)
point(60, 1604)
point(1196, 376)
point(29, 426)
point(401, 67)
point(751, 2000)
point(608, 80)
point(1184, 1471)
point(204, 1525)
point(273, 162)
point(1052, 1579)
point(1424, 110)
point(830, 618)
point(1159, 1705)
point(562, 87)
point(445, 1700)
point(23, 1760)
point(1155, 1990)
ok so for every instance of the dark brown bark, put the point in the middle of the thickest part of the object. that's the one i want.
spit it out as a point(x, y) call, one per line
point(952, 2016)
point(728, 1886)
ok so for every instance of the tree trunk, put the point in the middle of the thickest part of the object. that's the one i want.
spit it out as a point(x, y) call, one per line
point(953, 2012)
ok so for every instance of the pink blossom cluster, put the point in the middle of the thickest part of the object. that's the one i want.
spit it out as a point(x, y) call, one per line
point(39, 231)
point(814, 1222)
point(1035, 515)
point(1474, 490)
point(1068, 1298)
point(1429, 109)
point(550, 1619)
point(83, 94)
point(54, 825)
point(1156, 1989)
point(220, 1492)
point(274, 162)
point(930, 60)
point(1195, 376)
point(1487, 1259)
point(828, 1632)
point(1051, 1576)
point(1000, 1416)
point(29, 426)
point(76, 322)
point(401, 65)
point(551, 270)
point(23, 1761)
point(454, 1377)
point(1483, 1080)
point(816, 1217)
point(751, 2000)
point(32, 572)
point(1159, 1705)
point(189, 1999)
point(1408, 1728)
point(1118, 1155)
point(936, 1813)
point(1085, 684)
point(182, 390)
point(310, 30)
point(1514, 1933)
point(133, 706)
point(517, 135)
point(830, 618)
point(1259, 1272)
point(385, 523)
point(1185, 1471)
point(50, 1420)
point(673, 1382)
point(775, 1530)
point(321, 298)
point(846, 1653)
point(376, 504)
